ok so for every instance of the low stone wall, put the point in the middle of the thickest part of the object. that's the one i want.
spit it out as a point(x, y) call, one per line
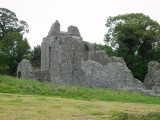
point(42, 76)
point(114, 75)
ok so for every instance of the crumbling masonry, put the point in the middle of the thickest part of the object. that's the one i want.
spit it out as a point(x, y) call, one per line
point(68, 60)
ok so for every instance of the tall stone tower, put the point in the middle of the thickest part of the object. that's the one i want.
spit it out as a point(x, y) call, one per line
point(62, 53)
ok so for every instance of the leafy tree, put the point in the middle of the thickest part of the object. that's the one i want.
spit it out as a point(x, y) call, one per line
point(10, 23)
point(14, 48)
point(109, 51)
point(36, 53)
point(136, 38)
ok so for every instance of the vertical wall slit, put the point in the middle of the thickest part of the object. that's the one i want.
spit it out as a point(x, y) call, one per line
point(49, 57)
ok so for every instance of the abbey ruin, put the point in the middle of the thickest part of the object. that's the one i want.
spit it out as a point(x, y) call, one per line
point(68, 60)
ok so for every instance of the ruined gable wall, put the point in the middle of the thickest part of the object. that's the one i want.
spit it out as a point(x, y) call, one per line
point(24, 69)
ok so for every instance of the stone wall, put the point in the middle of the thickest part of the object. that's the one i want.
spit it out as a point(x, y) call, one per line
point(152, 79)
point(114, 75)
point(39, 75)
point(24, 69)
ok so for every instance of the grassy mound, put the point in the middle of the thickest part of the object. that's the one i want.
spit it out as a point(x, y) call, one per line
point(32, 87)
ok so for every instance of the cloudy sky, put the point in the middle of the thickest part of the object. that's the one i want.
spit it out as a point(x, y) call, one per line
point(88, 15)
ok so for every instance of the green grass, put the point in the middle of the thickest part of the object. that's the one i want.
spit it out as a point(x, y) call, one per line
point(38, 107)
point(30, 99)
point(32, 87)
point(129, 116)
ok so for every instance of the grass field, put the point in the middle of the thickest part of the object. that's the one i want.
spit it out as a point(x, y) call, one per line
point(31, 87)
point(33, 107)
point(32, 100)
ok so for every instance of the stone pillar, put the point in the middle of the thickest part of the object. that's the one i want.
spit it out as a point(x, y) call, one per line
point(54, 29)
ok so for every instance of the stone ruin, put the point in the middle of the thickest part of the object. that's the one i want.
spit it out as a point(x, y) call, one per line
point(68, 60)
point(24, 69)
point(152, 79)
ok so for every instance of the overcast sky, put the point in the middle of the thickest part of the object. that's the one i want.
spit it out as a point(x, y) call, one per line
point(88, 15)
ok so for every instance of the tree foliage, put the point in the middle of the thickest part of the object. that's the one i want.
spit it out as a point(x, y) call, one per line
point(36, 53)
point(109, 51)
point(136, 38)
point(13, 47)
point(10, 23)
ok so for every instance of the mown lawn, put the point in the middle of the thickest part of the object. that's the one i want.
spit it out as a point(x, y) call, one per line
point(34, 107)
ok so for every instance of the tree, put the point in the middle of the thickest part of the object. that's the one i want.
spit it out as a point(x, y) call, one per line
point(109, 51)
point(10, 23)
point(13, 47)
point(36, 53)
point(136, 38)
